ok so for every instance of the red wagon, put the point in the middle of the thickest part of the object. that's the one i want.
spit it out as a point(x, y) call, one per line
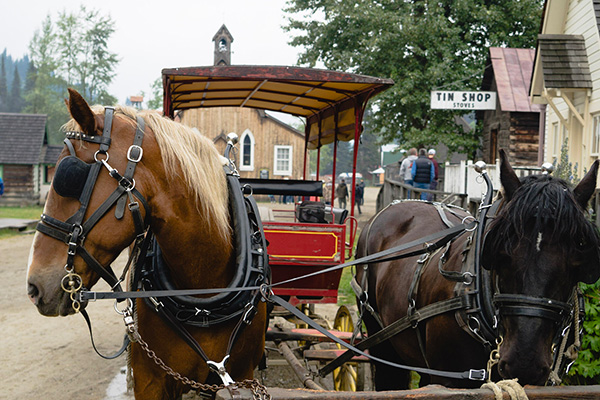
point(333, 105)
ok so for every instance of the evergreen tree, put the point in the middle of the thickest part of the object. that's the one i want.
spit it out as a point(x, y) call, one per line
point(16, 98)
point(47, 90)
point(3, 85)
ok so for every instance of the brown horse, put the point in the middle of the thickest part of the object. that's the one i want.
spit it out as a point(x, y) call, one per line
point(538, 247)
point(181, 177)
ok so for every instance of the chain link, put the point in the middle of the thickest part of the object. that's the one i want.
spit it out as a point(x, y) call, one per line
point(259, 391)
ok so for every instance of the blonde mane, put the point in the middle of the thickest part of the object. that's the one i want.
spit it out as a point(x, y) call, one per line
point(195, 154)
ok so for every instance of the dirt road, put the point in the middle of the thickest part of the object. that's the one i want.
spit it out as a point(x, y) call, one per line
point(51, 358)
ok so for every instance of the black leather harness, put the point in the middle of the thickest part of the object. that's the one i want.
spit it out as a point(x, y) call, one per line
point(75, 178)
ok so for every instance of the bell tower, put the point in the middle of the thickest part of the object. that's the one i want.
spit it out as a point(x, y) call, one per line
point(223, 40)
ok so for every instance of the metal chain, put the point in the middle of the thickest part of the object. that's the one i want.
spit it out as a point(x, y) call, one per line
point(259, 391)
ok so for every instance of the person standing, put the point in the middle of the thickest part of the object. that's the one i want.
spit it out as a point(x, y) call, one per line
point(341, 192)
point(406, 166)
point(358, 196)
point(1, 186)
point(362, 186)
point(422, 172)
point(436, 167)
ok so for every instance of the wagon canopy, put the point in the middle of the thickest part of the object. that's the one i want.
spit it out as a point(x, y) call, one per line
point(332, 102)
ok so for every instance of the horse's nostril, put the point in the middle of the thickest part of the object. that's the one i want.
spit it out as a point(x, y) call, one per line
point(33, 292)
point(502, 369)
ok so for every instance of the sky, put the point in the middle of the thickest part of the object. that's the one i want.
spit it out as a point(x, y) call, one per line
point(151, 35)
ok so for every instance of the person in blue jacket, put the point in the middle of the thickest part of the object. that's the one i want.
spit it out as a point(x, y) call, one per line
point(1, 186)
point(423, 172)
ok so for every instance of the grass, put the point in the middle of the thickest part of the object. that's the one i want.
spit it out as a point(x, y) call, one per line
point(30, 212)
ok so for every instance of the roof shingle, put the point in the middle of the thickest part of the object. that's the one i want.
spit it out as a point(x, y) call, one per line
point(21, 138)
point(564, 61)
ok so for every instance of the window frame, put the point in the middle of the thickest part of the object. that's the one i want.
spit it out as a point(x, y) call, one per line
point(278, 171)
point(595, 145)
point(247, 134)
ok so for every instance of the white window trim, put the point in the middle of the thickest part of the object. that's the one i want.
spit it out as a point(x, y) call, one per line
point(247, 133)
point(277, 171)
point(556, 139)
point(595, 135)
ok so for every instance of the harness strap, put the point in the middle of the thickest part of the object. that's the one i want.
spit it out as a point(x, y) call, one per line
point(473, 374)
point(126, 340)
point(134, 155)
point(424, 313)
point(445, 236)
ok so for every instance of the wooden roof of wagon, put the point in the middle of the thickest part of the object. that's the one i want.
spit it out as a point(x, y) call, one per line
point(332, 102)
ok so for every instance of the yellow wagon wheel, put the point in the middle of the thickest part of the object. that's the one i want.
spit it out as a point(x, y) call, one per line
point(345, 377)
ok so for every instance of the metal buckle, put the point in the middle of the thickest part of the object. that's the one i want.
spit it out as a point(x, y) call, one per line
point(477, 374)
point(139, 157)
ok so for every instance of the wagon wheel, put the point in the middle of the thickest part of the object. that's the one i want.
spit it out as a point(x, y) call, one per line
point(346, 377)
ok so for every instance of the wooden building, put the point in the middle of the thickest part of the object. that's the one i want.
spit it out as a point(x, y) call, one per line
point(515, 123)
point(566, 77)
point(26, 160)
point(268, 147)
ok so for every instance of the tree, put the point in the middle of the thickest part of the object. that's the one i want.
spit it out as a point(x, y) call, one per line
point(422, 45)
point(46, 89)
point(16, 98)
point(156, 97)
point(73, 52)
point(87, 64)
point(3, 86)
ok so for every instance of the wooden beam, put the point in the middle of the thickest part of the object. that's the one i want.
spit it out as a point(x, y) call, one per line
point(432, 392)
point(551, 103)
point(573, 109)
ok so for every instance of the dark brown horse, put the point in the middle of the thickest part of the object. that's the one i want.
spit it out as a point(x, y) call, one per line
point(181, 176)
point(538, 247)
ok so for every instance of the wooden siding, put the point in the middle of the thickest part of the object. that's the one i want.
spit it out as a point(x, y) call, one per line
point(524, 138)
point(19, 187)
point(216, 123)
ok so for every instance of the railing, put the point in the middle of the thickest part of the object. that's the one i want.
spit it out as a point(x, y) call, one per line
point(462, 185)
point(462, 178)
point(395, 190)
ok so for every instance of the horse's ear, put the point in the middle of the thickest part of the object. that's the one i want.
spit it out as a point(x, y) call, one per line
point(81, 112)
point(509, 179)
point(585, 189)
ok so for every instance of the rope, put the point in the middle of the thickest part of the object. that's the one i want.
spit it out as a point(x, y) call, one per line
point(510, 386)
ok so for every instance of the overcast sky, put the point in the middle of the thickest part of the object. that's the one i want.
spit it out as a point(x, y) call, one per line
point(151, 35)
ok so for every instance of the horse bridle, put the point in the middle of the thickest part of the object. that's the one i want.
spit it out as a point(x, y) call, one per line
point(73, 231)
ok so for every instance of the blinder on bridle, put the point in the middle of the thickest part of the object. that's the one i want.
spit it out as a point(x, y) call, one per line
point(70, 176)
point(74, 178)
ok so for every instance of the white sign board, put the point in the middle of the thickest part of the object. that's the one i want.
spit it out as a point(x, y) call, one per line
point(445, 100)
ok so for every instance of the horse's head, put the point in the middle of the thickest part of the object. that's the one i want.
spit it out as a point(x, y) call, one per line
point(80, 188)
point(539, 247)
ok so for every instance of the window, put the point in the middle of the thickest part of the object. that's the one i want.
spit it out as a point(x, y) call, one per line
point(283, 160)
point(247, 151)
point(596, 135)
point(556, 139)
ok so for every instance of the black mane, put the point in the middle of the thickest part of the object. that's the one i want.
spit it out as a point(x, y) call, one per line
point(541, 204)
